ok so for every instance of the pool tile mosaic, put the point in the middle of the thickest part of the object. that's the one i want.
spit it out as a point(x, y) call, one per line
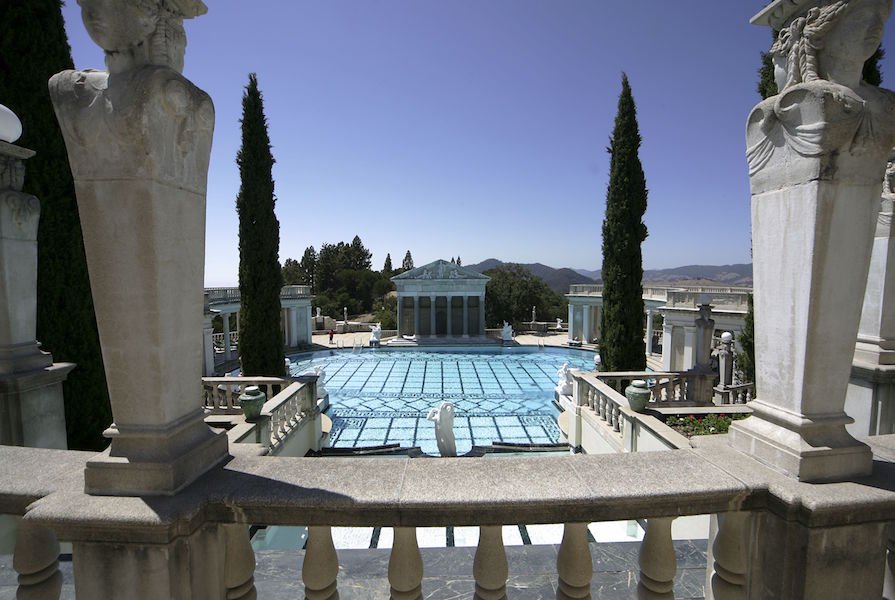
point(383, 397)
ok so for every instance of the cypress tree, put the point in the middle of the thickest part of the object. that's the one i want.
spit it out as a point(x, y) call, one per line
point(387, 266)
point(408, 262)
point(260, 276)
point(32, 49)
point(622, 347)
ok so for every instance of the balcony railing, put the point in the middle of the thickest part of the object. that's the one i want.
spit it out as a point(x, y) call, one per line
point(230, 295)
point(220, 395)
point(750, 503)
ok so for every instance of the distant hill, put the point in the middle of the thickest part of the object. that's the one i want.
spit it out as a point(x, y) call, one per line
point(557, 280)
point(732, 275)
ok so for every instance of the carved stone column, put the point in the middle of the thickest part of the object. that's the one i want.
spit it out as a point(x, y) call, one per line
point(699, 387)
point(817, 154)
point(208, 340)
point(31, 406)
point(138, 140)
point(871, 391)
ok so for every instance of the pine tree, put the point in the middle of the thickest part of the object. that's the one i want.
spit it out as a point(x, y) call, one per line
point(459, 264)
point(622, 347)
point(358, 257)
point(34, 47)
point(408, 262)
point(308, 267)
point(260, 277)
point(871, 73)
point(767, 86)
point(387, 266)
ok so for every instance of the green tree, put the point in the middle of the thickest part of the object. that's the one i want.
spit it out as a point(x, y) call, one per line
point(745, 356)
point(357, 256)
point(622, 347)
point(330, 259)
point(308, 267)
point(260, 276)
point(387, 266)
point(511, 293)
point(767, 86)
point(292, 274)
point(32, 49)
point(386, 312)
point(459, 264)
point(408, 262)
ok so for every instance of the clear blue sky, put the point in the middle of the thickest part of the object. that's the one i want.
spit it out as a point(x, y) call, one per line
point(479, 127)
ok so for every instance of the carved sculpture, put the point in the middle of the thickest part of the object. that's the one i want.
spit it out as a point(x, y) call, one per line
point(376, 332)
point(443, 417)
point(138, 140)
point(506, 334)
point(817, 154)
point(564, 385)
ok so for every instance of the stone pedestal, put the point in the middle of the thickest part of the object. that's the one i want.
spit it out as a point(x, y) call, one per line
point(32, 412)
point(871, 391)
point(817, 155)
point(138, 141)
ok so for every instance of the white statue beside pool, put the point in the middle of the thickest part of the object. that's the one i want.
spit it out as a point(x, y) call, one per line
point(564, 385)
point(321, 375)
point(506, 334)
point(443, 417)
point(376, 332)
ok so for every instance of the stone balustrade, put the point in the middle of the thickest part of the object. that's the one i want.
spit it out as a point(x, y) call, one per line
point(220, 395)
point(230, 295)
point(218, 340)
point(739, 393)
point(754, 505)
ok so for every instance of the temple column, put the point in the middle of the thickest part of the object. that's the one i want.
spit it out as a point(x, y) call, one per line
point(585, 319)
point(571, 319)
point(482, 314)
point(400, 315)
point(450, 307)
point(465, 315)
point(649, 331)
point(667, 330)
point(689, 359)
point(432, 315)
point(416, 316)
point(226, 319)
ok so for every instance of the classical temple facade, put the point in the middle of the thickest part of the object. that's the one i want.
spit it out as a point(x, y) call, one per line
point(441, 299)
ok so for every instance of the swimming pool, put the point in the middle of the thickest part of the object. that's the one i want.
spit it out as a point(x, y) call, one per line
point(500, 395)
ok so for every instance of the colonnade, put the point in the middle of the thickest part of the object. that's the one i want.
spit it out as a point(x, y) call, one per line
point(474, 313)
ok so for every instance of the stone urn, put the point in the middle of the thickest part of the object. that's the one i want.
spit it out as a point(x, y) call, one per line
point(251, 401)
point(638, 395)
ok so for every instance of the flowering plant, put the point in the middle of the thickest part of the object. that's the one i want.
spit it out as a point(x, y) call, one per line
point(704, 424)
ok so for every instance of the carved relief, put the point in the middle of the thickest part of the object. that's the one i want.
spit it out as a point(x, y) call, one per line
point(823, 106)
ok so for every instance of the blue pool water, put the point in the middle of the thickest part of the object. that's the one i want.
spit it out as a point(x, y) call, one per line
point(500, 395)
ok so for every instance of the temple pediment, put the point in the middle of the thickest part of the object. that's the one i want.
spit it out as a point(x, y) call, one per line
point(440, 269)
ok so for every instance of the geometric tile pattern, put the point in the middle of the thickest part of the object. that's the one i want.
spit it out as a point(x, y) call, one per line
point(382, 397)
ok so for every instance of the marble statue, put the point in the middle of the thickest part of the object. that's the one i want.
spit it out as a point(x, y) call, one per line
point(138, 139)
point(506, 334)
point(817, 156)
point(705, 330)
point(564, 385)
point(10, 125)
point(318, 312)
point(597, 362)
point(558, 323)
point(376, 332)
point(534, 314)
point(443, 417)
point(320, 372)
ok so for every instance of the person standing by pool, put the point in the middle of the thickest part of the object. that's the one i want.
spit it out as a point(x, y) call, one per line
point(331, 332)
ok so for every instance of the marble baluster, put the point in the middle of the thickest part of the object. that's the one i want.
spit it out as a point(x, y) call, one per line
point(573, 563)
point(405, 566)
point(321, 565)
point(658, 564)
point(490, 565)
point(239, 570)
point(729, 551)
point(36, 560)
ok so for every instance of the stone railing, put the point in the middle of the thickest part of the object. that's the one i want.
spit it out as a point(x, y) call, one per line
point(721, 299)
point(292, 409)
point(230, 295)
point(665, 387)
point(739, 393)
point(221, 394)
point(585, 289)
point(609, 407)
point(749, 503)
point(218, 340)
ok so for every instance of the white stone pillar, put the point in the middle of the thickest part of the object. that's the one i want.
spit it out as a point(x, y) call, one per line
point(432, 315)
point(293, 321)
point(689, 358)
point(482, 313)
point(140, 168)
point(32, 412)
point(208, 345)
point(400, 315)
point(649, 331)
point(667, 330)
point(226, 319)
point(450, 307)
point(816, 178)
point(416, 315)
point(571, 319)
point(585, 328)
point(465, 315)
point(595, 326)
